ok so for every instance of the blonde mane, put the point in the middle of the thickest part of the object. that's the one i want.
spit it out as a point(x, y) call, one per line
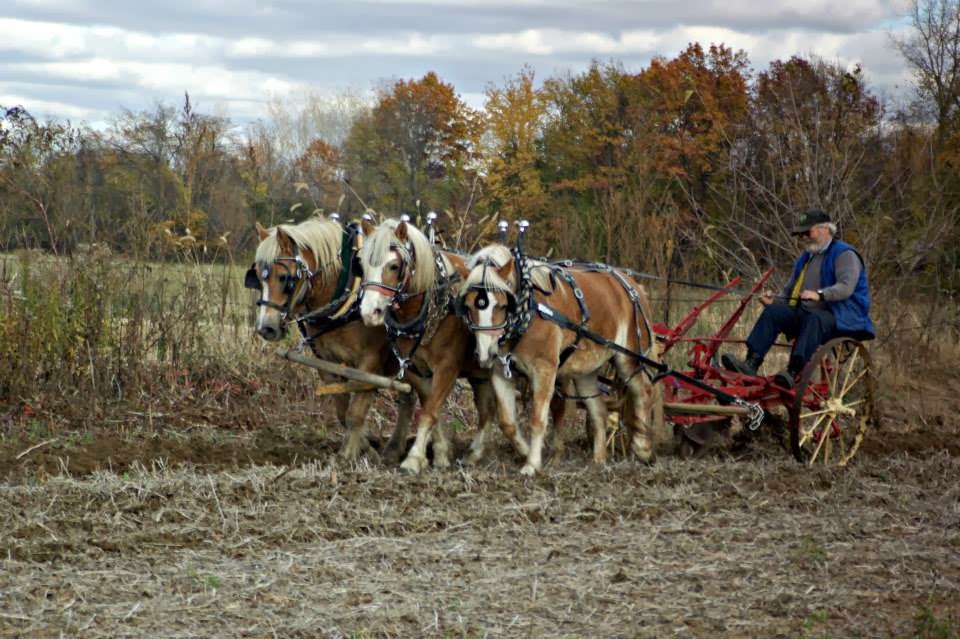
point(321, 236)
point(378, 246)
point(497, 255)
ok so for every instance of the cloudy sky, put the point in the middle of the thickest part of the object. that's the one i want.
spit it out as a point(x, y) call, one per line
point(84, 60)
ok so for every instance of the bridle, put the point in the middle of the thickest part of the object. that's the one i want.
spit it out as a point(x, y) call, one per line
point(396, 293)
point(295, 280)
point(423, 325)
point(482, 301)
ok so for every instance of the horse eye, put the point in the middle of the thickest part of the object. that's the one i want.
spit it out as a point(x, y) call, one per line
point(394, 267)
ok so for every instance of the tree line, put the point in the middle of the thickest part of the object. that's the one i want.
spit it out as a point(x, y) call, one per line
point(694, 165)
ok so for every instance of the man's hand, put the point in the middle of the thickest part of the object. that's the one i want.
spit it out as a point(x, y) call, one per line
point(809, 296)
point(766, 298)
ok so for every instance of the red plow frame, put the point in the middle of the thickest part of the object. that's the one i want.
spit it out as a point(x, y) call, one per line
point(830, 408)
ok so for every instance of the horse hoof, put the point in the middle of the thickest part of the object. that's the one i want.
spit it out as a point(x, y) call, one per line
point(473, 459)
point(391, 456)
point(412, 465)
point(644, 452)
point(349, 453)
point(528, 470)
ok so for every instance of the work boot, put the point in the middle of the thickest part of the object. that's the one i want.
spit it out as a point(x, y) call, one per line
point(784, 378)
point(746, 366)
point(788, 375)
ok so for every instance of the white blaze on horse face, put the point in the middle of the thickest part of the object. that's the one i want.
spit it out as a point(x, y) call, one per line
point(488, 342)
point(262, 309)
point(374, 303)
point(269, 320)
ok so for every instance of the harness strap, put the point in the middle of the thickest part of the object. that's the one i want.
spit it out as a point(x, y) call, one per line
point(663, 370)
point(424, 325)
point(345, 303)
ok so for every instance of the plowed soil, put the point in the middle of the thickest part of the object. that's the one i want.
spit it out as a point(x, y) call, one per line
point(207, 531)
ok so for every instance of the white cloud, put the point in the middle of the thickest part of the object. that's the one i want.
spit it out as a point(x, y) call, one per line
point(9, 95)
point(236, 52)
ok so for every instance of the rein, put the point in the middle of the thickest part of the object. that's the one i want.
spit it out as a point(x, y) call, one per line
point(422, 327)
point(295, 291)
point(344, 306)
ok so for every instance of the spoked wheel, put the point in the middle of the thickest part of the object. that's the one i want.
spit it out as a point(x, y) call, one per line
point(834, 406)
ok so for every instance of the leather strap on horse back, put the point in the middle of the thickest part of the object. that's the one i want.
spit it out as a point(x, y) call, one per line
point(344, 307)
point(525, 304)
point(617, 273)
point(567, 277)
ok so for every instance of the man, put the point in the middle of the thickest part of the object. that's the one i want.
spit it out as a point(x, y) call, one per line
point(827, 295)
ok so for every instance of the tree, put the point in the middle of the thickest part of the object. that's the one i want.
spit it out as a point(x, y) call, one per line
point(294, 124)
point(932, 50)
point(38, 175)
point(813, 125)
point(514, 123)
point(587, 163)
point(414, 151)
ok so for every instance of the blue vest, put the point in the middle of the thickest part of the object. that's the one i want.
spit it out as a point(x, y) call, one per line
point(852, 314)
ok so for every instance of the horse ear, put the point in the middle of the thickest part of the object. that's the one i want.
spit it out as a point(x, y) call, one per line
point(506, 271)
point(401, 231)
point(286, 244)
point(367, 227)
point(262, 232)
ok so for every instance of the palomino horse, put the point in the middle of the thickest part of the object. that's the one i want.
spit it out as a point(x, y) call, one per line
point(308, 273)
point(536, 317)
point(410, 288)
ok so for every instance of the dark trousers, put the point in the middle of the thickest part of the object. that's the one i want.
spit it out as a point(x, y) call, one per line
point(810, 328)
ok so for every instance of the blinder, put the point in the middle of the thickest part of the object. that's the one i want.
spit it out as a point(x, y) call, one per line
point(290, 281)
point(481, 302)
point(251, 280)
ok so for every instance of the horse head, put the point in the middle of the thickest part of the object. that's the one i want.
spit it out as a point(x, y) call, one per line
point(488, 300)
point(290, 259)
point(398, 265)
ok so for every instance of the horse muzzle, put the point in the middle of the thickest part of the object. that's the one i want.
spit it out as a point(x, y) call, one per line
point(271, 327)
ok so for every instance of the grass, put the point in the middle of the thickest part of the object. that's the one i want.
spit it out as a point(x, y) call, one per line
point(927, 625)
point(89, 335)
point(96, 336)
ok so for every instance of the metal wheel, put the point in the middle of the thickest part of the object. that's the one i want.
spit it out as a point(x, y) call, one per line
point(834, 405)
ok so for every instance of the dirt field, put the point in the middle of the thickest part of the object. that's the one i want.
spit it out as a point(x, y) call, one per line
point(209, 532)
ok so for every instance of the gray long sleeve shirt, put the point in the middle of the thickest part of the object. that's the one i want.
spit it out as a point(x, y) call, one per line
point(847, 268)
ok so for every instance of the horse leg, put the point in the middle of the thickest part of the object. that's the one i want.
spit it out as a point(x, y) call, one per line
point(542, 379)
point(341, 403)
point(396, 445)
point(356, 420)
point(485, 401)
point(506, 395)
point(639, 410)
point(440, 437)
point(586, 386)
point(558, 413)
point(443, 381)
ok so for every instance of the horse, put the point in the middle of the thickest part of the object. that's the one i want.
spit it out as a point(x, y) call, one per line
point(409, 287)
point(534, 316)
point(308, 274)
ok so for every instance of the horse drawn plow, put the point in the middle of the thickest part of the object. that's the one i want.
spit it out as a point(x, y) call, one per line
point(828, 411)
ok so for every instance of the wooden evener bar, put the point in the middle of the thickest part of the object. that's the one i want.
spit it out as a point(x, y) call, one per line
point(344, 371)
